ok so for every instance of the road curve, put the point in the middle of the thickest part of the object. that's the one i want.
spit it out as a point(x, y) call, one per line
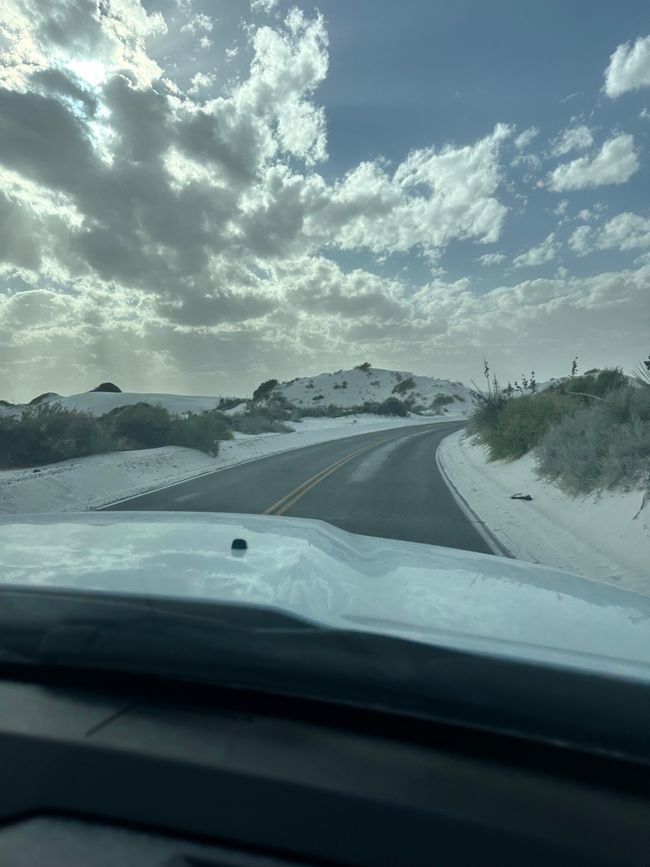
point(384, 483)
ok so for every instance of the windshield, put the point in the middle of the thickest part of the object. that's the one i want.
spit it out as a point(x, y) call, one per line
point(338, 308)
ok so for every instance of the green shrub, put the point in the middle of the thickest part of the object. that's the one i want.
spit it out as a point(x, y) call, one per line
point(264, 389)
point(108, 386)
point(510, 428)
point(596, 383)
point(602, 445)
point(141, 425)
point(258, 421)
point(441, 400)
point(200, 430)
point(365, 367)
point(47, 435)
point(390, 406)
point(404, 385)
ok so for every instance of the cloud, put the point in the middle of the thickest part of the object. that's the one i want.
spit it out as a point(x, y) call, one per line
point(201, 81)
point(177, 235)
point(489, 259)
point(263, 5)
point(544, 252)
point(198, 22)
point(526, 137)
point(626, 231)
point(572, 138)
point(615, 163)
point(629, 67)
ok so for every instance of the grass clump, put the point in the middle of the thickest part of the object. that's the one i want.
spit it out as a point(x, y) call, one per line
point(604, 445)
point(510, 430)
point(258, 421)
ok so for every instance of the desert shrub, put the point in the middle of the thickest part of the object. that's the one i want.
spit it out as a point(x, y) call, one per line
point(524, 421)
point(280, 408)
point(365, 367)
point(485, 418)
point(46, 435)
point(318, 397)
point(331, 411)
point(257, 421)
point(596, 383)
point(404, 385)
point(141, 425)
point(108, 386)
point(390, 406)
point(511, 427)
point(441, 400)
point(264, 389)
point(602, 445)
point(200, 430)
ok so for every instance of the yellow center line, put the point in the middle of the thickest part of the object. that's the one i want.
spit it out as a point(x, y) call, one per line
point(285, 503)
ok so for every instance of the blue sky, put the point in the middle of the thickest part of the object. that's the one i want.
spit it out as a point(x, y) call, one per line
point(197, 195)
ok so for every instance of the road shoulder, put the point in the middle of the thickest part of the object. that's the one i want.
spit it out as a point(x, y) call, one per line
point(605, 538)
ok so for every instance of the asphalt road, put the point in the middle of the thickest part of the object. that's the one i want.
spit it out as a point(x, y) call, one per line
point(384, 483)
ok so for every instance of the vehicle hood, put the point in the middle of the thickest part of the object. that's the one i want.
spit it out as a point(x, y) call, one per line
point(453, 598)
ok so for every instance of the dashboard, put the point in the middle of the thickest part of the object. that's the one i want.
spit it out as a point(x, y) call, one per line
point(100, 770)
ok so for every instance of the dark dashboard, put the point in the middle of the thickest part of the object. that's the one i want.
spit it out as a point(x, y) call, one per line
point(100, 770)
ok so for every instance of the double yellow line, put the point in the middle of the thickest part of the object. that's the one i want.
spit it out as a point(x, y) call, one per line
point(281, 506)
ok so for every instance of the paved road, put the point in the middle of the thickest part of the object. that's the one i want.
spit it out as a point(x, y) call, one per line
point(384, 483)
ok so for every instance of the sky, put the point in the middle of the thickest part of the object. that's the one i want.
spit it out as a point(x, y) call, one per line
point(197, 195)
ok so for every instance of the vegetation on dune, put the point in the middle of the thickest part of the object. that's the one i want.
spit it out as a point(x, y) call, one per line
point(442, 400)
point(589, 432)
point(404, 386)
point(47, 434)
point(108, 386)
point(265, 389)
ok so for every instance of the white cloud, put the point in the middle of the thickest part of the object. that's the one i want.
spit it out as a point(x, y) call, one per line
point(201, 81)
point(184, 241)
point(578, 137)
point(526, 137)
point(489, 259)
point(580, 240)
point(626, 231)
point(197, 23)
point(81, 35)
point(629, 67)
point(263, 5)
point(645, 114)
point(615, 163)
point(544, 252)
